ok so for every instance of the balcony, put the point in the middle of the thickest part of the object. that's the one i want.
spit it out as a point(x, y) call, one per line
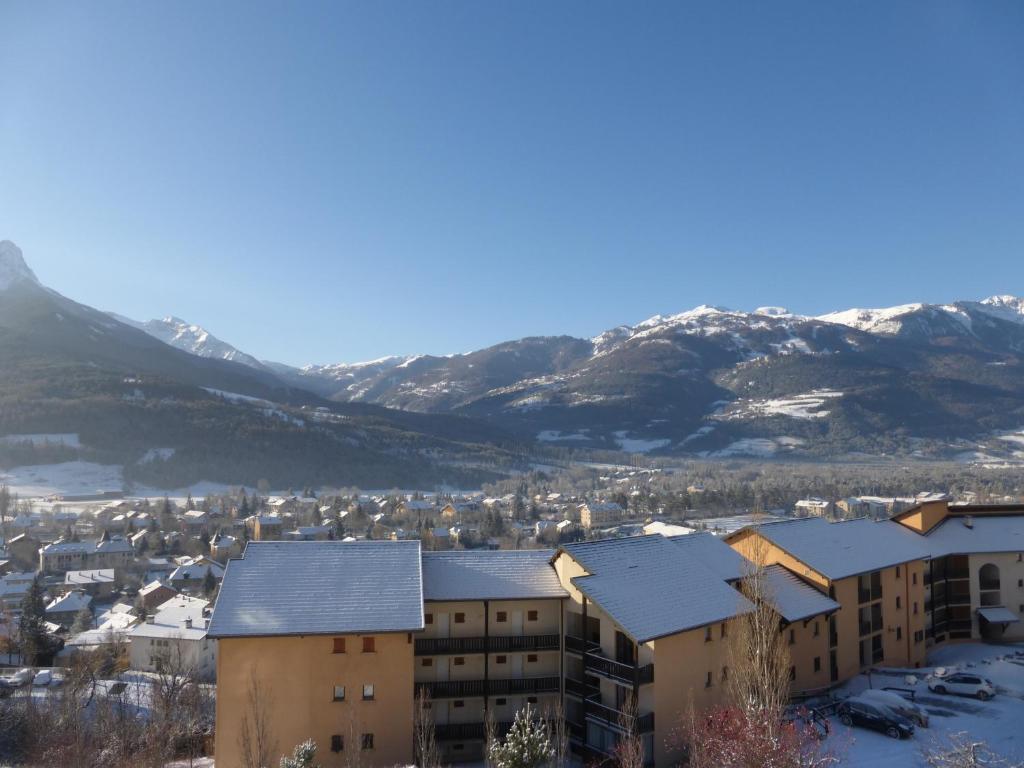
point(615, 718)
point(618, 671)
point(579, 689)
point(579, 646)
point(869, 595)
point(464, 689)
point(441, 646)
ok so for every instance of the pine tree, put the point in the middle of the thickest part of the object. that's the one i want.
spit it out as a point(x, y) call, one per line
point(209, 582)
point(302, 756)
point(527, 745)
point(83, 621)
point(34, 641)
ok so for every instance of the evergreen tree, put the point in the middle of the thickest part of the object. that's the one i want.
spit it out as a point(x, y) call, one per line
point(83, 621)
point(33, 639)
point(302, 756)
point(527, 745)
point(209, 582)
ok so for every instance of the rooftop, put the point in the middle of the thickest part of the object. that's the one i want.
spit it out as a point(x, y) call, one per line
point(321, 587)
point(991, 534)
point(793, 598)
point(180, 616)
point(653, 587)
point(487, 575)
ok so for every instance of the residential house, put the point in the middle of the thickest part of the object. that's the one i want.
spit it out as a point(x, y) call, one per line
point(175, 637)
point(97, 583)
point(155, 594)
point(63, 610)
point(598, 513)
point(190, 575)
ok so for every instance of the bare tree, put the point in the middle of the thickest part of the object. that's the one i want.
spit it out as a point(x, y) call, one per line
point(559, 732)
point(427, 753)
point(629, 751)
point(255, 739)
point(963, 752)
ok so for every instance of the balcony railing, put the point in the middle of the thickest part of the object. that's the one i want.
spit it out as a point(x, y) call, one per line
point(989, 584)
point(440, 646)
point(616, 718)
point(578, 645)
point(617, 670)
point(580, 689)
point(869, 595)
point(461, 689)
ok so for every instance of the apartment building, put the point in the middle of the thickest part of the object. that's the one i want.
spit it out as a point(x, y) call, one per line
point(108, 552)
point(974, 581)
point(491, 643)
point(874, 570)
point(595, 513)
point(320, 634)
point(174, 637)
point(647, 624)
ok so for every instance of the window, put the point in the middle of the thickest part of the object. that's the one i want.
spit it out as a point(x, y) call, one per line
point(428, 618)
point(500, 702)
point(428, 662)
point(459, 704)
point(792, 637)
point(368, 645)
point(897, 571)
point(367, 741)
point(460, 661)
point(531, 615)
point(725, 674)
point(792, 673)
point(707, 682)
point(502, 617)
point(1020, 556)
point(915, 608)
point(458, 747)
point(531, 699)
point(339, 693)
point(531, 658)
point(817, 629)
point(460, 618)
point(368, 692)
point(721, 630)
point(1020, 582)
point(707, 635)
point(817, 663)
point(899, 633)
point(337, 743)
point(500, 659)
point(339, 645)
point(898, 606)
point(913, 578)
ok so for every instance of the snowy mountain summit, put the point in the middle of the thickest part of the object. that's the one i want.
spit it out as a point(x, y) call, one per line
point(13, 268)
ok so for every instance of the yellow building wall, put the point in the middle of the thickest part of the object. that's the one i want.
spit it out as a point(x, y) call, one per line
point(297, 676)
point(925, 516)
point(804, 650)
point(756, 548)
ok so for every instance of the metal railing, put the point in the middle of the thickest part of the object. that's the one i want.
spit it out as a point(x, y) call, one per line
point(616, 718)
point(439, 646)
point(459, 689)
point(617, 670)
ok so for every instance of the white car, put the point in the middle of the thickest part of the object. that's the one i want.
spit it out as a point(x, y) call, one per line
point(901, 706)
point(21, 677)
point(963, 684)
point(43, 677)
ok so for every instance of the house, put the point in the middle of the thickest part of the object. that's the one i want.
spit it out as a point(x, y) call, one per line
point(175, 638)
point(155, 594)
point(265, 527)
point(114, 629)
point(813, 507)
point(63, 610)
point(97, 583)
point(195, 522)
point(309, 533)
point(332, 647)
point(23, 551)
point(108, 552)
point(223, 546)
point(13, 587)
point(597, 513)
point(190, 575)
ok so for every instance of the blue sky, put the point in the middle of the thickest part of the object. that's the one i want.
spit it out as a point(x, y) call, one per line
point(344, 181)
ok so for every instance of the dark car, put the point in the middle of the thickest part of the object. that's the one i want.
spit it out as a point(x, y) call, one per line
point(875, 716)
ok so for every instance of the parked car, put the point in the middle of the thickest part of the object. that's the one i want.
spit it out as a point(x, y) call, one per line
point(43, 677)
point(901, 706)
point(21, 677)
point(963, 684)
point(878, 717)
point(6, 688)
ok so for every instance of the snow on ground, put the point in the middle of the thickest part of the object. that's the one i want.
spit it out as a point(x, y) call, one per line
point(756, 446)
point(69, 477)
point(638, 445)
point(554, 435)
point(70, 439)
point(802, 406)
point(156, 454)
point(237, 398)
point(996, 722)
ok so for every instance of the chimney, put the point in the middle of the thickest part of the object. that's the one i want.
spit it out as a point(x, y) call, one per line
point(968, 521)
point(188, 623)
point(151, 619)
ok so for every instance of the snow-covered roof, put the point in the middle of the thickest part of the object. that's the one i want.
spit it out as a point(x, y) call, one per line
point(846, 548)
point(180, 617)
point(196, 570)
point(651, 587)
point(151, 587)
point(793, 598)
point(714, 553)
point(321, 587)
point(72, 602)
point(995, 533)
point(667, 529)
point(98, 576)
point(490, 575)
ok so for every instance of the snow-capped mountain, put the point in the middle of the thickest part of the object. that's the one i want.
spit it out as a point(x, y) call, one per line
point(13, 268)
point(191, 338)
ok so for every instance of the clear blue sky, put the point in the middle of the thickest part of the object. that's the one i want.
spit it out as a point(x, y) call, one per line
point(344, 181)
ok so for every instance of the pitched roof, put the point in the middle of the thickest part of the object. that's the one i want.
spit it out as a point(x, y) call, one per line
point(490, 575)
point(171, 617)
point(713, 553)
point(846, 548)
point(996, 533)
point(321, 587)
point(793, 598)
point(97, 576)
point(72, 601)
point(652, 587)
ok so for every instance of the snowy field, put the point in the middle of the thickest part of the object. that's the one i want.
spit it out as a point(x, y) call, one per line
point(997, 722)
point(69, 477)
